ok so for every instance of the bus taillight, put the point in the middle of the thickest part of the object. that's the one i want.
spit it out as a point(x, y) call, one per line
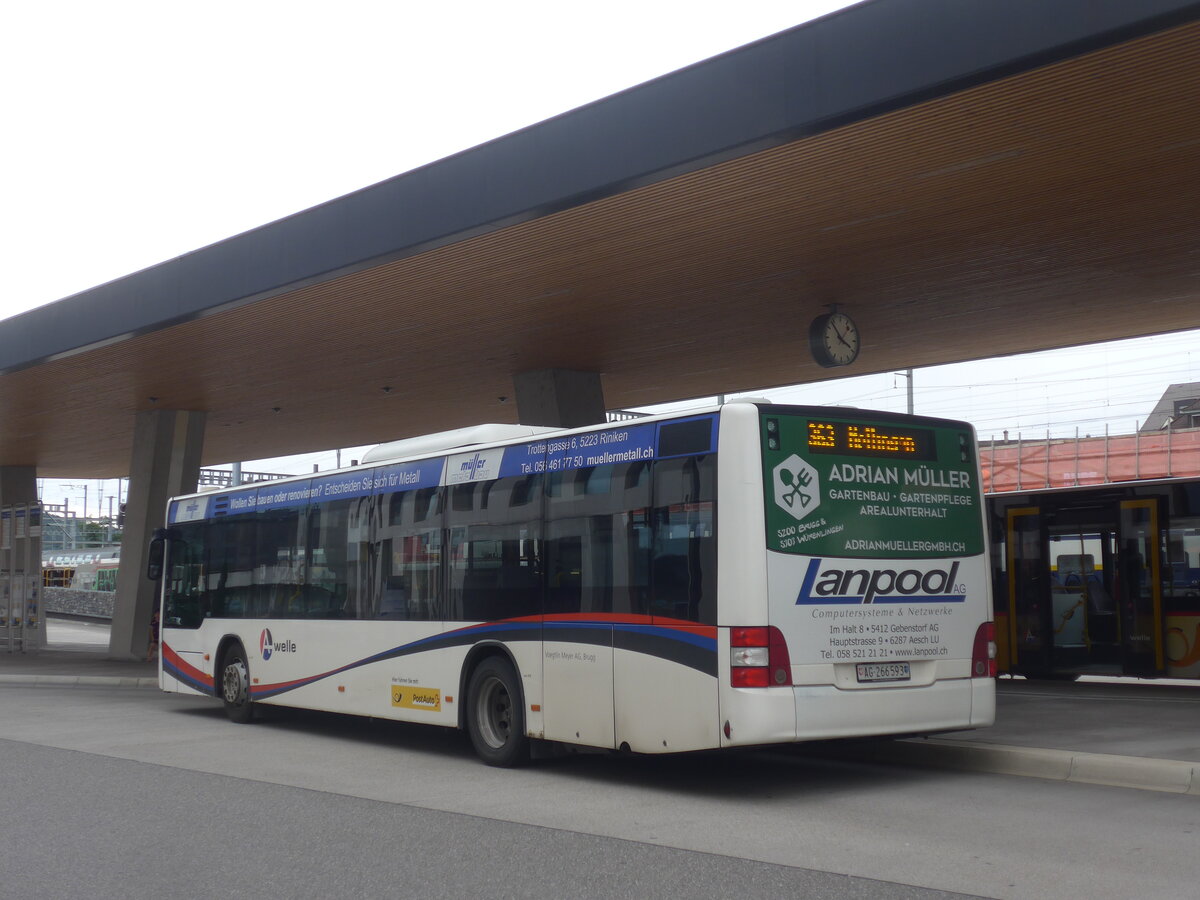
point(983, 656)
point(758, 657)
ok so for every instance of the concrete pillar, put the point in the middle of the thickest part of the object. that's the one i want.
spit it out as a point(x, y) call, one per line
point(166, 462)
point(560, 397)
point(18, 484)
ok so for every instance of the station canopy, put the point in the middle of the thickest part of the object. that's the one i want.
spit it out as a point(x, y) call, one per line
point(965, 180)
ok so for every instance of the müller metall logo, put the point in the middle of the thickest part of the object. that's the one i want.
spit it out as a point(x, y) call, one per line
point(470, 466)
point(267, 646)
point(877, 585)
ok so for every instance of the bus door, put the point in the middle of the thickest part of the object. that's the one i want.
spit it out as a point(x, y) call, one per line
point(1028, 590)
point(1139, 579)
point(1083, 609)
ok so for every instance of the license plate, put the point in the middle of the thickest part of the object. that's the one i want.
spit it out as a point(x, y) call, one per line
point(875, 672)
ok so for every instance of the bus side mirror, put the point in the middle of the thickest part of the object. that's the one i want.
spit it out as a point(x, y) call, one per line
point(154, 563)
point(158, 546)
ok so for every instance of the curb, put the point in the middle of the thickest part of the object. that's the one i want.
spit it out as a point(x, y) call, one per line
point(80, 680)
point(1141, 773)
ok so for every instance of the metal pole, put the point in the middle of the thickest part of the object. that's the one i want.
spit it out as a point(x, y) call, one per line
point(1137, 451)
point(1077, 454)
point(67, 529)
point(1169, 449)
point(235, 476)
point(1019, 454)
point(1106, 478)
point(1047, 457)
point(909, 375)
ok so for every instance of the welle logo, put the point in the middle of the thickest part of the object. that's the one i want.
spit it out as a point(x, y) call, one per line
point(267, 646)
point(797, 487)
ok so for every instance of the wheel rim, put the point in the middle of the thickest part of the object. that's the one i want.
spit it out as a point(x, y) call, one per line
point(234, 682)
point(493, 712)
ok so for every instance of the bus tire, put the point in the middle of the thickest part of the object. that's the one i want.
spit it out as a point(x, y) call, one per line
point(235, 685)
point(496, 714)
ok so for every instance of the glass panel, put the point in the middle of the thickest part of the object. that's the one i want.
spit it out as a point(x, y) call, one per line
point(1083, 612)
point(494, 530)
point(229, 574)
point(338, 554)
point(684, 565)
point(279, 562)
point(185, 576)
point(1139, 568)
point(1028, 589)
point(597, 547)
point(410, 556)
point(1182, 600)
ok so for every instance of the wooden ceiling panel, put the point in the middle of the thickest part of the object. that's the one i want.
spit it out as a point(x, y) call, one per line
point(1052, 208)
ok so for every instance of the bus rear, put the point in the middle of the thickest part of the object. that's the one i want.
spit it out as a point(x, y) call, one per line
point(859, 601)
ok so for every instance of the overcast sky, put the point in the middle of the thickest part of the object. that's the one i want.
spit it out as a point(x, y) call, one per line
point(137, 131)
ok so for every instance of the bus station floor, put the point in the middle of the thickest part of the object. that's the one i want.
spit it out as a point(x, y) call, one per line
point(1121, 732)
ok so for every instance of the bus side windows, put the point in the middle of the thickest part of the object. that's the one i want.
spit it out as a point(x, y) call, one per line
point(185, 598)
point(597, 551)
point(408, 556)
point(684, 570)
point(494, 542)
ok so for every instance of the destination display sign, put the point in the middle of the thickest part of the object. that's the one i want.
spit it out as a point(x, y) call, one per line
point(854, 487)
point(863, 439)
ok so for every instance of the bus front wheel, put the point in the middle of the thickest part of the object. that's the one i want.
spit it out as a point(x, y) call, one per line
point(235, 685)
point(496, 714)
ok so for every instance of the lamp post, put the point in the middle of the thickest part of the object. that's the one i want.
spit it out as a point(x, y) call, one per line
point(908, 373)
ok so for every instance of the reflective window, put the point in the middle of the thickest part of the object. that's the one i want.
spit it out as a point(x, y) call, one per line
point(493, 538)
point(185, 579)
point(598, 540)
point(338, 559)
point(683, 577)
point(409, 553)
point(633, 538)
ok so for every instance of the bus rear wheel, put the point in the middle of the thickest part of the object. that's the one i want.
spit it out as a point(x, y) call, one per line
point(496, 714)
point(235, 685)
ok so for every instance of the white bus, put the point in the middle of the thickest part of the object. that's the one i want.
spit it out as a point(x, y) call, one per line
point(737, 576)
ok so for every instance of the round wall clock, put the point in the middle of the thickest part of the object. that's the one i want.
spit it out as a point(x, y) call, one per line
point(834, 340)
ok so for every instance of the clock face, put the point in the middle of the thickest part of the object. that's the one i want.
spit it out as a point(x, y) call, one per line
point(834, 340)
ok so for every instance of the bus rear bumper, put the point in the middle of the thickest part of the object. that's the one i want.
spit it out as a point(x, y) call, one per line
point(946, 705)
point(823, 712)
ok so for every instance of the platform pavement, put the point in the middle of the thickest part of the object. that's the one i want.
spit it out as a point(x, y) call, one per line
point(1119, 732)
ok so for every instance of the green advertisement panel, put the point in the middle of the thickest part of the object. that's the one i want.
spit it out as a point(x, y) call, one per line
point(870, 486)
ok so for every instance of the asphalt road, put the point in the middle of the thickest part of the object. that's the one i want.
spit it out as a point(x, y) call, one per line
point(131, 793)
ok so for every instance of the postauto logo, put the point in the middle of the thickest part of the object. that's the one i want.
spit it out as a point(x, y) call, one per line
point(267, 646)
point(879, 585)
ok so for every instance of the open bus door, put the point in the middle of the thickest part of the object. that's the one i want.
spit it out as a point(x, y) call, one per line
point(1028, 591)
point(1140, 586)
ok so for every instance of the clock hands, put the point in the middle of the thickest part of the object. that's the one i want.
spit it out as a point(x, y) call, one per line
point(841, 335)
point(834, 340)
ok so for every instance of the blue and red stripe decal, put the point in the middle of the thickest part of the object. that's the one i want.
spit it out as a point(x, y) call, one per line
point(181, 670)
point(683, 643)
